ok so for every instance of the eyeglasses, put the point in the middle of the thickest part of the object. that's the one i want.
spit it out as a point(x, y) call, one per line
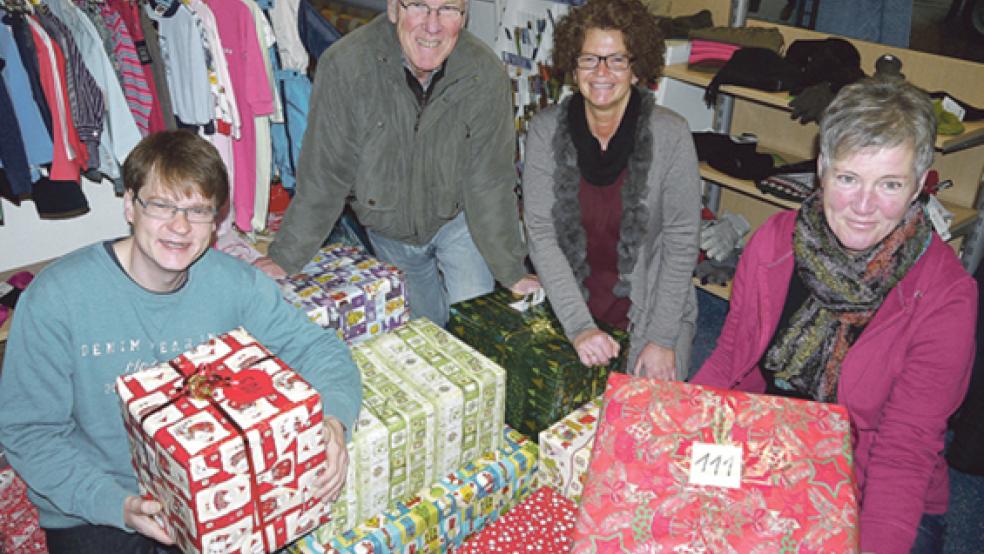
point(165, 210)
point(614, 62)
point(419, 10)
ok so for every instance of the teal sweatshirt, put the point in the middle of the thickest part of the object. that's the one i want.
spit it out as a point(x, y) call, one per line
point(82, 322)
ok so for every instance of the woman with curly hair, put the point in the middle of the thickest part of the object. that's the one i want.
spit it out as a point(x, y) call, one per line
point(612, 194)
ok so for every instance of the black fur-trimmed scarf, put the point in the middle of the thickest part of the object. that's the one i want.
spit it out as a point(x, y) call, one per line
point(566, 211)
point(600, 167)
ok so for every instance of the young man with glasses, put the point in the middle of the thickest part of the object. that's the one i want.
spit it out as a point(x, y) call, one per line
point(411, 123)
point(121, 306)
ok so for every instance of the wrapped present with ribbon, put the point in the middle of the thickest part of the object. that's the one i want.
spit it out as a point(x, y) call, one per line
point(565, 450)
point(343, 288)
point(229, 440)
point(542, 523)
point(441, 515)
point(430, 404)
point(545, 379)
point(685, 468)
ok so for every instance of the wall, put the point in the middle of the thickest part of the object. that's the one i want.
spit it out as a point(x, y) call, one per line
point(26, 239)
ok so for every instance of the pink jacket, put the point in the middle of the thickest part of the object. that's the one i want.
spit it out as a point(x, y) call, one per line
point(901, 380)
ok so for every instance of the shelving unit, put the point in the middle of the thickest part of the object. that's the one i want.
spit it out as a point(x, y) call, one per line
point(959, 158)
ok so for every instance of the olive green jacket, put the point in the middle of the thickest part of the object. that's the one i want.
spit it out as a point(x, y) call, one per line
point(407, 171)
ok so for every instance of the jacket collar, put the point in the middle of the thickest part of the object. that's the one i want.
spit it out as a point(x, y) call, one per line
point(566, 211)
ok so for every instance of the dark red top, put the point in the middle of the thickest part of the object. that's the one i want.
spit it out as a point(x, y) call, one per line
point(601, 216)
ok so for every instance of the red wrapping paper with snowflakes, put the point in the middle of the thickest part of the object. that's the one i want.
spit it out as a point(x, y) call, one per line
point(542, 524)
point(668, 457)
point(229, 439)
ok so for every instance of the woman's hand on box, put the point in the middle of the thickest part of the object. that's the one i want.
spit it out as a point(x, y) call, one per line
point(595, 347)
point(656, 362)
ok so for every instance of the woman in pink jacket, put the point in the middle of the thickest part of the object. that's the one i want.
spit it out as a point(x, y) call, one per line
point(854, 299)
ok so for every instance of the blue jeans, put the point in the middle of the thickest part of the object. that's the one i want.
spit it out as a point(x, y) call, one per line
point(100, 539)
point(929, 535)
point(885, 21)
point(446, 270)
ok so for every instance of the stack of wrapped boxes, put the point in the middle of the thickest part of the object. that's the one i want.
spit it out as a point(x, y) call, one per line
point(430, 405)
point(433, 461)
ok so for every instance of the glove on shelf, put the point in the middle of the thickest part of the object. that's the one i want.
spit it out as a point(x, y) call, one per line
point(720, 238)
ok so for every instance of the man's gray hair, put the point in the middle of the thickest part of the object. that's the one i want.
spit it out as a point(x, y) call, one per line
point(878, 113)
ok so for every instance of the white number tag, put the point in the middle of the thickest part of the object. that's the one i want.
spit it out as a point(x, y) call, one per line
point(717, 465)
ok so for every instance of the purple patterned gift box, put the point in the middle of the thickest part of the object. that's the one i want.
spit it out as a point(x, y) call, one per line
point(343, 288)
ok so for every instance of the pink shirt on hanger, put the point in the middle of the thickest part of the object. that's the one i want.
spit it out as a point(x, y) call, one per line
point(253, 97)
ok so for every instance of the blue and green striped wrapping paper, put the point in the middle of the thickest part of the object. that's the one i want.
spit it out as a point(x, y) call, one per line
point(442, 515)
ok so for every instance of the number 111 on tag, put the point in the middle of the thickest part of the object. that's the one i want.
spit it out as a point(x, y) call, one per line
point(717, 465)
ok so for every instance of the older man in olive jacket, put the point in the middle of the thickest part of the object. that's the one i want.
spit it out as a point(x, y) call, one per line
point(411, 123)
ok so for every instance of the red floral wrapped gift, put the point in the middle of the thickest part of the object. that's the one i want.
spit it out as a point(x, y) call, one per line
point(229, 439)
point(685, 468)
point(542, 523)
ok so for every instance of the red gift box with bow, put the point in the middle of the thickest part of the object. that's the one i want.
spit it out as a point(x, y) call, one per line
point(229, 439)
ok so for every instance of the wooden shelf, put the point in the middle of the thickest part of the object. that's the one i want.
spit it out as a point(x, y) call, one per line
point(743, 186)
point(973, 134)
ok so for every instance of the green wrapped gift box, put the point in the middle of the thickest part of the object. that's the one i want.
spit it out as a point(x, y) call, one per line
point(442, 515)
point(545, 379)
point(430, 404)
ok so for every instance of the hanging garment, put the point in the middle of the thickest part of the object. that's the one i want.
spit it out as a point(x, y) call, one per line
point(29, 58)
point(13, 155)
point(218, 81)
point(284, 18)
point(158, 68)
point(85, 100)
point(33, 132)
point(295, 88)
point(261, 198)
point(315, 31)
point(185, 61)
point(130, 11)
point(120, 132)
point(131, 72)
point(238, 33)
point(66, 163)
